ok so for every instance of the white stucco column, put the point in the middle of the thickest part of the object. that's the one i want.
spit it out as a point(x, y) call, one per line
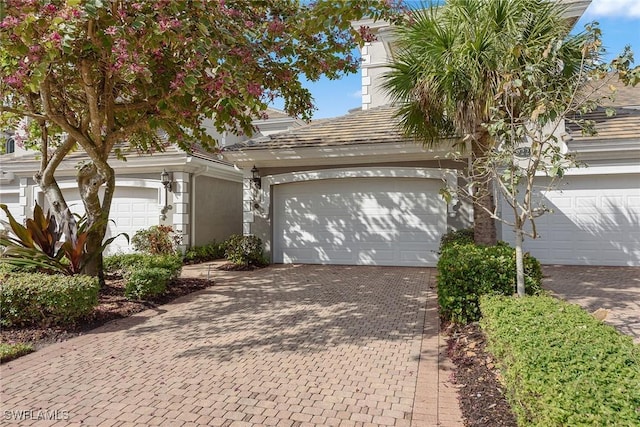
point(25, 207)
point(180, 204)
point(248, 198)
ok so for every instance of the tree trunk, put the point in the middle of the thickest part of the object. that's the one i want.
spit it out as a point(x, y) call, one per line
point(57, 203)
point(484, 226)
point(89, 183)
point(519, 261)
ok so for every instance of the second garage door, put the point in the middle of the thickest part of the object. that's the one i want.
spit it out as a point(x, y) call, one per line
point(132, 209)
point(595, 221)
point(361, 221)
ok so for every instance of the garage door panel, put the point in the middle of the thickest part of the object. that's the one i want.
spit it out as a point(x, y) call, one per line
point(372, 221)
point(595, 221)
point(132, 209)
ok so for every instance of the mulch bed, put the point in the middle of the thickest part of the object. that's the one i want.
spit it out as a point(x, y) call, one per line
point(112, 305)
point(480, 393)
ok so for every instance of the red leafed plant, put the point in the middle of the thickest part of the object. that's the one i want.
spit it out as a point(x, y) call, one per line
point(44, 244)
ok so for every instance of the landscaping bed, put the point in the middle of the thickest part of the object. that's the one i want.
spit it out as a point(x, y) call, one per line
point(112, 305)
point(480, 393)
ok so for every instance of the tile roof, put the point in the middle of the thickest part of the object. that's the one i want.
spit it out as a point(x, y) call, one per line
point(625, 124)
point(624, 96)
point(372, 126)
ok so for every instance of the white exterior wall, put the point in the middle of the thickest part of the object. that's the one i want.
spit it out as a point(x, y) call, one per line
point(374, 63)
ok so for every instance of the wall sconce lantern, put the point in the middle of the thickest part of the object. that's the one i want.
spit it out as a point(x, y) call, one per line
point(165, 179)
point(255, 177)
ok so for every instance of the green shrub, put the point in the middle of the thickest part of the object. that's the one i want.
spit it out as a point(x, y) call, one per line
point(245, 250)
point(208, 252)
point(466, 271)
point(157, 239)
point(13, 351)
point(146, 282)
point(460, 237)
point(127, 263)
point(122, 262)
point(562, 367)
point(34, 298)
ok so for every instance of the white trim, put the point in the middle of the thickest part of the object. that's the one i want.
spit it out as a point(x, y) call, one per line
point(599, 170)
point(447, 175)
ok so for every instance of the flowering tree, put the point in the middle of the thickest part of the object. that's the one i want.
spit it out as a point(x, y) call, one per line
point(106, 76)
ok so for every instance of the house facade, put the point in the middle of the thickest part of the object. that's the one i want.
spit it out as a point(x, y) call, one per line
point(202, 199)
point(354, 190)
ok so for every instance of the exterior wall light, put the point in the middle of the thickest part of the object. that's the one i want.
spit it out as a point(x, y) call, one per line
point(166, 180)
point(255, 177)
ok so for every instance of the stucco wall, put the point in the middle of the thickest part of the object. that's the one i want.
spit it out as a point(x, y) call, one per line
point(217, 208)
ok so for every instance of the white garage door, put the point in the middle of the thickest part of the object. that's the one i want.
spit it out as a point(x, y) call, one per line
point(362, 221)
point(595, 221)
point(12, 200)
point(132, 209)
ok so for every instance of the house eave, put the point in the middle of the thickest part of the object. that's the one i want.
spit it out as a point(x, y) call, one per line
point(336, 155)
point(612, 149)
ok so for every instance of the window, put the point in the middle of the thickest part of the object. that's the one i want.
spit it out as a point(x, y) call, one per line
point(9, 146)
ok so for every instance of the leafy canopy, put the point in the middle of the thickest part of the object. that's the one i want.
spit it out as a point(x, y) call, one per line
point(105, 71)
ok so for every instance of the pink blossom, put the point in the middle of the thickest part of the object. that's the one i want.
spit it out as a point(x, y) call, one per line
point(111, 31)
point(177, 81)
point(14, 81)
point(276, 26)
point(254, 89)
point(137, 6)
point(56, 37)
point(50, 9)
point(9, 22)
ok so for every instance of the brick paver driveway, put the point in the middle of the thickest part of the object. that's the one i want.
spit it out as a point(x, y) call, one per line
point(616, 289)
point(287, 345)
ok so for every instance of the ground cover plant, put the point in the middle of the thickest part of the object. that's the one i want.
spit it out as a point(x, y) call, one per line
point(561, 366)
point(13, 351)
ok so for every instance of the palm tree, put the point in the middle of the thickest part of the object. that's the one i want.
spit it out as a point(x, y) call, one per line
point(449, 67)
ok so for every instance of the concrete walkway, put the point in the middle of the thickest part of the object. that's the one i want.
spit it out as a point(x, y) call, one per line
point(285, 346)
point(616, 289)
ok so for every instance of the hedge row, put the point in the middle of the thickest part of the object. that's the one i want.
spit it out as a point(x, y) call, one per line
point(35, 298)
point(561, 366)
point(466, 271)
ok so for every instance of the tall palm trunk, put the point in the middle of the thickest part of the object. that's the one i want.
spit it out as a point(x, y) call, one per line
point(484, 229)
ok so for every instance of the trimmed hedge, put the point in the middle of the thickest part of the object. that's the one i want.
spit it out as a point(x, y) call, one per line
point(208, 252)
point(460, 237)
point(562, 367)
point(245, 250)
point(34, 298)
point(467, 271)
point(127, 263)
point(147, 282)
point(147, 275)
